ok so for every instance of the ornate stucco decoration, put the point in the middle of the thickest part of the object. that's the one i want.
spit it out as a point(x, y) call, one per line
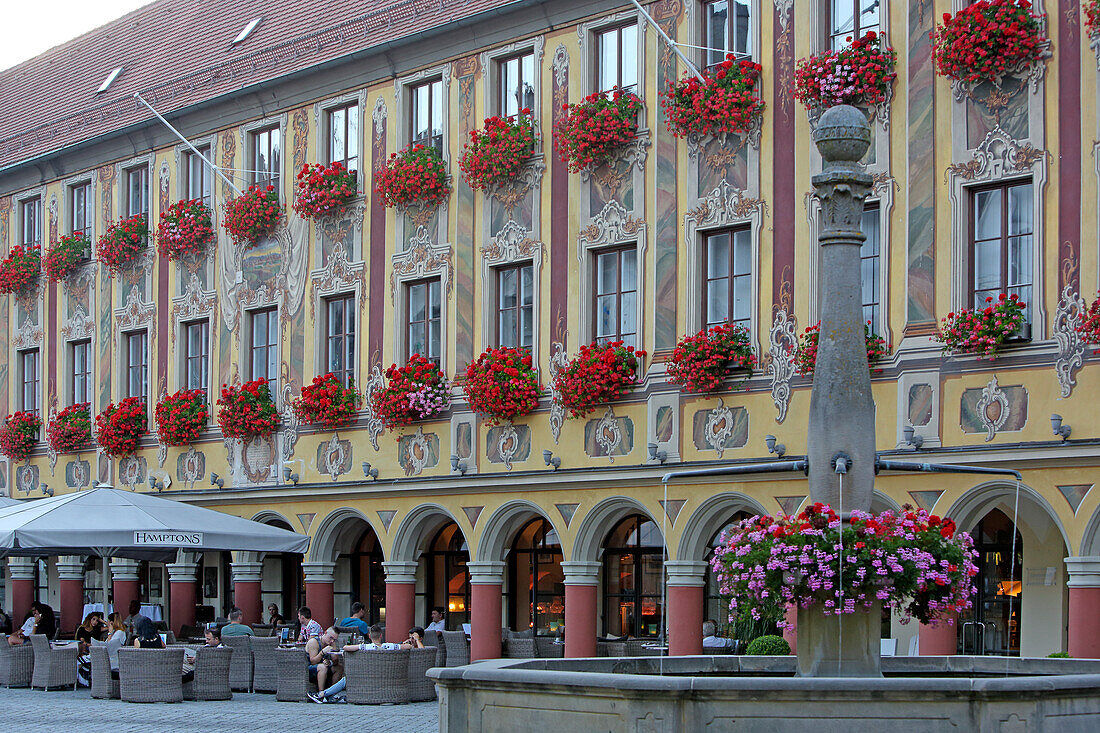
point(511, 193)
point(513, 243)
point(612, 225)
point(374, 382)
point(338, 274)
point(78, 326)
point(28, 335)
point(633, 153)
point(608, 434)
point(1071, 349)
point(194, 303)
point(782, 344)
point(378, 115)
point(993, 419)
point(131, 471)
point(560, 65)
point(723, 206)
point(1031, 72)
point(418, 451)
point(508, 444)
point(997, 155)
point(291, 424)
point(192, 467)
point(421, 258)
point(719, 427)
point(335, 454)
point(134, 313)
point(558, 360)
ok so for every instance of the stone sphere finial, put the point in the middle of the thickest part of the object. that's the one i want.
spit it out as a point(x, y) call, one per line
point(843, 134)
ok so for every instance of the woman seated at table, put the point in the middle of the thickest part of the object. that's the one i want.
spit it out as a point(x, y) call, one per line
point(40, 620)
point(274, 618)
point(147, 637)
point(117, 629)
point(92, 629)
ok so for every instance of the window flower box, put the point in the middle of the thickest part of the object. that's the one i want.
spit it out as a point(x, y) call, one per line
point(120, 427)
point(181, 417)
point(70, 429)
point(327, 403)
point(806, 358)
point(594, 129)
point(247, 410)
point(861, 75)
point(703, 362)
point(1089, 327)
point(502, 384)
point(66, 255)
point(983, 331)
point(185, 229)
point(495, 153)
point(416, 175)
point(122, 243)
point(598, 374)
point(253, 215)
point(322, 190)
point(987, 40)
point(416, 391)
point(725, 102)
point(1091, 10)
point(20, 269)
point(18, 435)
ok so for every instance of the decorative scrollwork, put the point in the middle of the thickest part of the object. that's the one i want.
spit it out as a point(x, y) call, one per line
point(992, 408)
point(782, 344)
point(1071, 349)
point(558, 360)
point(608, 434)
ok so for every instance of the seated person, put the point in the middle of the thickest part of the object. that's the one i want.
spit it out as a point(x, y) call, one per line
point(115, 641)
point(91, 629)
point(375, 644)
point(146, 636)
point(214, 637)
point(274, 618)
point(235, 627)
point(710, 641)
point(438, 623)
point(134, 617)
point(309, 627)
point(324, 666)
point(416, 638)
point(355, 620)
point(40, 620)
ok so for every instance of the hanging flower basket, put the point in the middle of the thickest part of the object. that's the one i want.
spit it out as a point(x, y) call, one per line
point(986, 40)
point(599, 374)
point(185, 229)
point(806, 358)
point(18, 435)
point(247, 410)
point(982, 331)
point(502, 384)
point(323, 190)
point(123, 243)
point(703, 362)
point(725, 102)
point(70, 429)
point(1091, 9)
point(416, 391)
point(1089, 327)
point(326, 402)
point(65, 256)
point(416, 175)
point(596, 127)
point(861, 75)
point(181, 417)
point(496, 152)
point(119, 428)
point(253, 215)
point(915, 563)
point(20, 269)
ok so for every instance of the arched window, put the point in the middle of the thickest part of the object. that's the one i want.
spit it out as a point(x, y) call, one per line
point(998, 603)
point(536, 580)
point(717, 606)
point(633, 567)
point(448, 580)
point(368, 582)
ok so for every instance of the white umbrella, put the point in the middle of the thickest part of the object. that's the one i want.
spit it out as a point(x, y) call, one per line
point(6, 501)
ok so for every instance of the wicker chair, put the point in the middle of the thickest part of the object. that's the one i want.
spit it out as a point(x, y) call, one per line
point(263, 629)
point(292, 669)
point(16, 664)
point(150, 675)
point(640, 648)
point(211, 675)
point(519, 647)
point(240, 668)
point(104, 686)
point(265, 676)
point(458, 648)
point(421, 686)
point(545, 648)
point(53, 667)
point(376, 677)
point(610, 648)
point(434, 638)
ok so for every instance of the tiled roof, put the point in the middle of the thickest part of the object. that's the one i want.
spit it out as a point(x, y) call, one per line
point(179, 52)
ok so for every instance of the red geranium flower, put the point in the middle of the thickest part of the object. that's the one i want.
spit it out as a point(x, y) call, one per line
point(181, 417)
point(120, 427)
point(596, 127)
point(502, 384)
point(724, 102)
point(70, 429)
point(185, 228)
point(123, 242)
point(247, 410)
point(416, 175)
point(328, 403)
point(987, 39)
point(253, 215)
point(20, 269)
point(598, 374)
point(701, 363)
point(18, 435)
point(322, 190)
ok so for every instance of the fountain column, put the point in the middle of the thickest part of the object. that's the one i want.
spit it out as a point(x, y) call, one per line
point(842, 412)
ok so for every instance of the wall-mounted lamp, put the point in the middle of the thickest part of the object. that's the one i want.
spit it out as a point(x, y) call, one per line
point(155, 485)
point(657, 455)
point(777, 448)
point(457, 465)
point(288, 476)
point(46, 490)
point(368, 472)
point(550, 459)
point(216, 480)
point(911, 437)
point(1062, 431)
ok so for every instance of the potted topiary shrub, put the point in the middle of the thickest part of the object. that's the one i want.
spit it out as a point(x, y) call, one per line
point(768, 645)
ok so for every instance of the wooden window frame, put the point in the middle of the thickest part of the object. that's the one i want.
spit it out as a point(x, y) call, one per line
point(272, 176)
point(344, 340)
point(205, 187)
point(730, 33)
point(271, 342)
point(349, 162)
point(77, 376)
point(431, 140)
point(971, 234)
point(499, 310)
point(142, 366)
point(34, 205)
point(85, 191)
point(597, 41)
point(30, 360)
point(857, 31)
point(429, 281)
point(730, 233)
point(141, 172)
point(594, 309)
point(203, 357)
point(872, 207)
point(503, 93)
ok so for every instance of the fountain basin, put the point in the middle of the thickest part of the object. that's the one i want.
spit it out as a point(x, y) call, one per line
point(732, 693)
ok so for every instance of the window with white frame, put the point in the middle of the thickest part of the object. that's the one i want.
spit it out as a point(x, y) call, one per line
point(80, 365)
point(1002, 228)
point(137, 364)
point(727, 277)
point(137, 191)
point(30, 221)
point(196, 350)
point(424, 316)
point(870, 267)
point(343, 135)
point(340, 337)
point(617, 58)
point(849, 20)
point(197, 174)
point(516, 305)
point(426, 114)
point(80, 208)
point(727, 29)
point(615, 295)
point(264, 349)
point(31, 380)
point(517, 82)
point(266, 157)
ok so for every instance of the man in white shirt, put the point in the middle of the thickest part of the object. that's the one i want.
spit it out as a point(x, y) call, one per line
point(438, 623)
point(375, 644)
point(310, 628)
point(710, 641)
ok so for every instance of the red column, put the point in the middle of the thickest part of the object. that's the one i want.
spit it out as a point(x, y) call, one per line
point(939, 641)
point(400, 599)
point(126, 583)
point(686, 601)
point(21, 570)
point(1084, 607)
point(246, 590)
point(181, 595)
point(70, 575)
point(486, 622)
point(319, 590)
point(580, 607)
point(791, 632)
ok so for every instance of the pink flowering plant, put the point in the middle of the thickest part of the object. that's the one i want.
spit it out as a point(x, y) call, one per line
point(982, 331)
point(860, 74)
point(915, 563)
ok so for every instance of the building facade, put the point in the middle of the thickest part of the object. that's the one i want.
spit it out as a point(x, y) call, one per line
point(672, 236)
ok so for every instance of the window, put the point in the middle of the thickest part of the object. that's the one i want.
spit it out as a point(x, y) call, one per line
point(80, 357)
point(196, 368)
point(727, 276)
point(617, 58)
point(137, 191)
point(340, 338)
point(517, 84)
point(137, 364)
point(80, 209)
point(447, 579)
point(31, 218)
point(516, 305)
point(1001, 230)
point(343, 136)
point(632, 575)
point(28, 361)
point(266, 157)
point(615, 303)
point(198, 176)
point(265, 345)
point(870, 261)
point(851, 19)
point(426, 114)
point(536, 598)
point(424, 316)
point(727, 28)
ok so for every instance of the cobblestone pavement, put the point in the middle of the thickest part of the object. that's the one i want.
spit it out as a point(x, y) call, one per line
point(36, 711)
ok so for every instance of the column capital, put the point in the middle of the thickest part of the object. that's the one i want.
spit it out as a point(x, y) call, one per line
point(125, 569)
point(690, 573)
point(581, 572)
point(181, 572)
point(400, 571)
point(70, 567)
point(1084, 571)
point(486, 572)
point(319, 571)
point(246, 572)
point(21, 568)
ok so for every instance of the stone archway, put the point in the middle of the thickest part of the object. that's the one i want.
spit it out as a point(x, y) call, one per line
point(263, 579)
point(346, 556)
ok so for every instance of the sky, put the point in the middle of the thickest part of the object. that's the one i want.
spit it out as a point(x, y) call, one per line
point(28, 31)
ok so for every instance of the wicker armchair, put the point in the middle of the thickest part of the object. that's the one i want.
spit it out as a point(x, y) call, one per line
point(434, 638)
point(211, 675)
point(16, 664)
point(458, 648)
point(53, 667)
point(640, 648)
point(421, 686)
point(519, 647)
point(376, 677)
point(263, 629)
point(240, 668)
point(545, 648)
point(265, 676)
point(104, 686)
point(610, 648)
point(292, 670)
point(150, 675)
